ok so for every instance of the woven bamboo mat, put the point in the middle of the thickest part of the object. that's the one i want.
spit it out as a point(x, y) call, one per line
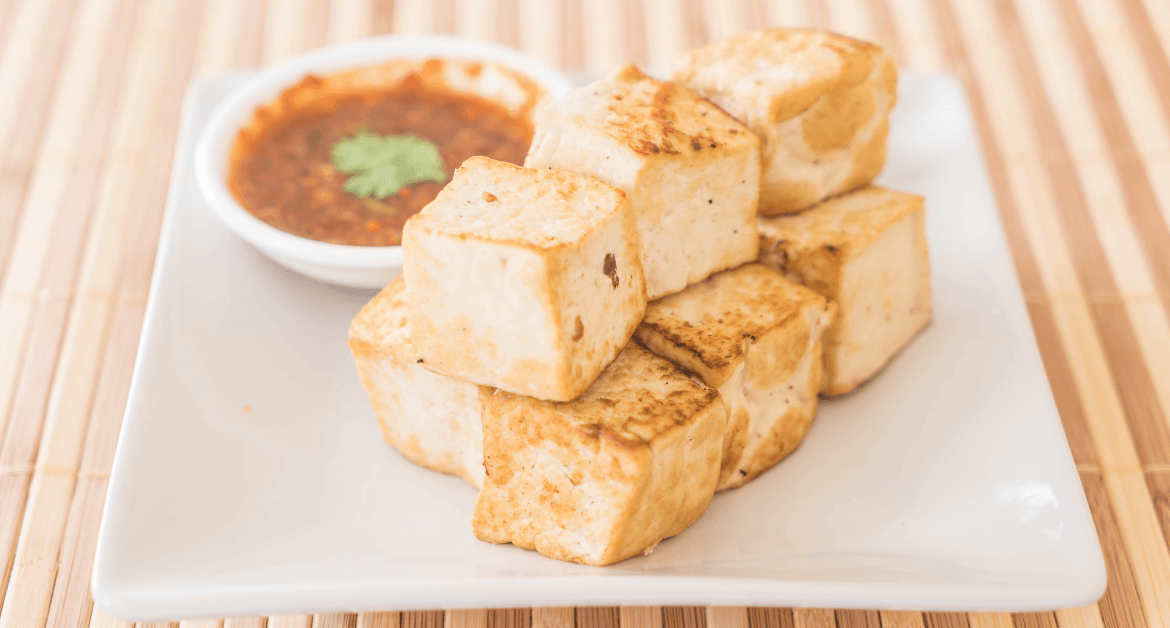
point(1072, 99)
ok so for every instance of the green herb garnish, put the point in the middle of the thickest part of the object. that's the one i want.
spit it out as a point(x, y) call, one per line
point(380, 165)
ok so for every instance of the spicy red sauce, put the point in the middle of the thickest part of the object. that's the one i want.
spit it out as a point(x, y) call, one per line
point(283, 174)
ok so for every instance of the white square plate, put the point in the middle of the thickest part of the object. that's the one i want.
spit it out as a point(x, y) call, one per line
point(251, 477)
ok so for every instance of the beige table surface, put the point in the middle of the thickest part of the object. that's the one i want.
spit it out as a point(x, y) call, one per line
point(1072, 99)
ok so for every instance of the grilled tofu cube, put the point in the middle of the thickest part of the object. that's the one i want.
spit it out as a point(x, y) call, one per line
point(866, 250)
point(432, 419)
point(523, 279)
point(691, 171)
point(819, 102)
point(756, 338)
point(608, 475)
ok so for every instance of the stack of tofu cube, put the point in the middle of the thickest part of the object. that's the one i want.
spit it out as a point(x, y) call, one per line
point(647, 311)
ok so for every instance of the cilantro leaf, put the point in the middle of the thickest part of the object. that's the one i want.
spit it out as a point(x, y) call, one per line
point(380, 165)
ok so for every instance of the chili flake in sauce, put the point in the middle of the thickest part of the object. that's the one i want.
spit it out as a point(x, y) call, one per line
point(285, 175)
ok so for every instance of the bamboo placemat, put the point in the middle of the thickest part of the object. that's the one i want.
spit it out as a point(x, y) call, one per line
point(1072, 100)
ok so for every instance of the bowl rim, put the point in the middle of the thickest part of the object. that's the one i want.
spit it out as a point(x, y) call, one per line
point(214, 142)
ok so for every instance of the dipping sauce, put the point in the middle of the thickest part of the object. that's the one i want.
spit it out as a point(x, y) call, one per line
point(283, 172)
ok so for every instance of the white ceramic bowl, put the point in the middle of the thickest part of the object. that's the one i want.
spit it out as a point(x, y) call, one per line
point(354, 266)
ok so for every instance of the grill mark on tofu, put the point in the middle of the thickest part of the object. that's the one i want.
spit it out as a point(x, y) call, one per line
point(690, 340)
point(638, 398)
point(751, 313)
point(654, 117)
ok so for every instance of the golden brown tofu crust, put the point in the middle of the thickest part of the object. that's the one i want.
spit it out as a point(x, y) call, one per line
point(381, 324)
point(841, 227)
point(386, 362)
point(755, 336)
point(608, 475)
point(837, 90)
point(716, 344)
point(664, 118)
point(691, 170)
point(559, 297)
point(514, 202)
point(817, 247)
point(850, 62)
